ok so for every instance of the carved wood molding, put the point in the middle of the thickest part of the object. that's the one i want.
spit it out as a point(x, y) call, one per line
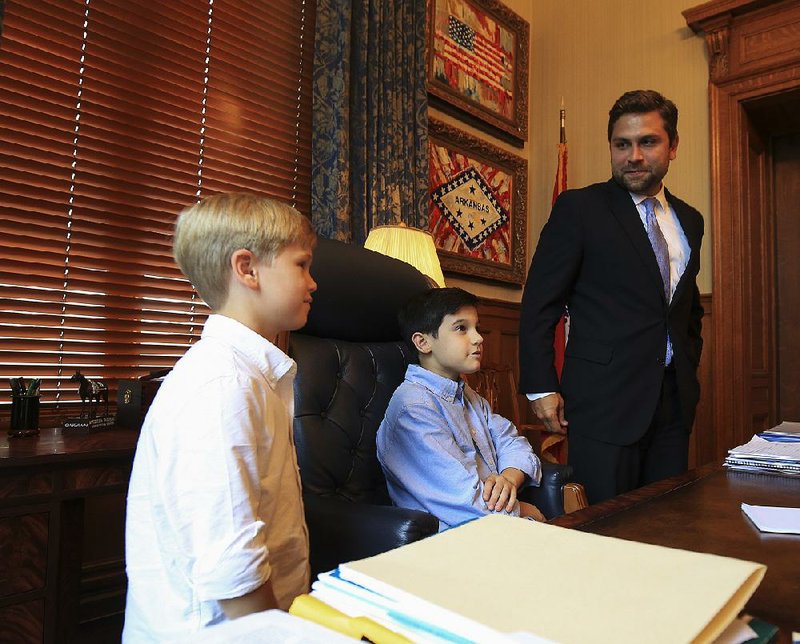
point(717, 43)
point(699, 16)
point(744, 35)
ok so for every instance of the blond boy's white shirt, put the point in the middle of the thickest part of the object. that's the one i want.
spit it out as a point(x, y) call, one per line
point(214, 503)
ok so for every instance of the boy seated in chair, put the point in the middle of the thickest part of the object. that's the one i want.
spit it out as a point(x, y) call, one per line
point(441, 447)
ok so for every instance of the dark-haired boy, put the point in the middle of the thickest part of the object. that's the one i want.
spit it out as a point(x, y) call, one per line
point(441, 447)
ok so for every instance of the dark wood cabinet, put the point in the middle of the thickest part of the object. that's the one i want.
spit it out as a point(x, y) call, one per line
point(62, 515)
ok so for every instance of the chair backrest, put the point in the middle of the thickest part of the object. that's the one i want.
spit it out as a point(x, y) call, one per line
point(350, 359)
point(496, 383)
point(341, 394)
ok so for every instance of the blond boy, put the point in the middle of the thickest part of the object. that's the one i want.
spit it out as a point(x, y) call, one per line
point(215, 526)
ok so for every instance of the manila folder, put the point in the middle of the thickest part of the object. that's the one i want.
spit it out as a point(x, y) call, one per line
point(561, 584)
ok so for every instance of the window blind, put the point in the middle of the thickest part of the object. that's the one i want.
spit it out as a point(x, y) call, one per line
point(114, 115)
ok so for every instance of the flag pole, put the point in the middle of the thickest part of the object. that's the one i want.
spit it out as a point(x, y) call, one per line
point(562, 328)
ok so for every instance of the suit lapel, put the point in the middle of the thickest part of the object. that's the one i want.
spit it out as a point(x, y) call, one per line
point(625, 212)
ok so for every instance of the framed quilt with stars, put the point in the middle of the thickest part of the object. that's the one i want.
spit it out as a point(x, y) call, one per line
point(478, 214)
point(477, 61)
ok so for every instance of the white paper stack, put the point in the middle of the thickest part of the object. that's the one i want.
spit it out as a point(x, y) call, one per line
point(772, 452)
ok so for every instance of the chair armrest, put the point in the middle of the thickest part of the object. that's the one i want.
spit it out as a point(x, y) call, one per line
point(549, 495)
point(341, 531)
point(574, 497)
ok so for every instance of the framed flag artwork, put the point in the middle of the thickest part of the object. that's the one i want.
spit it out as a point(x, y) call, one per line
point(478, 197)
point(477, 59)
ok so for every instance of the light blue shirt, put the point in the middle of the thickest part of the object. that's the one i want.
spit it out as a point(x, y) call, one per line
point(439, 441)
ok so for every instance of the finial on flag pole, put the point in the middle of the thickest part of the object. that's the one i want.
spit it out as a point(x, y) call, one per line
point(563, 119)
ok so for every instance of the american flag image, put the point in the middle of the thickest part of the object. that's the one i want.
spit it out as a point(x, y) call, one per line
point(477, 56)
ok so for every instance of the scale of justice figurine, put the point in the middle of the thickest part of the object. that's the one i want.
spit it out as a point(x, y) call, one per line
point(92, 393)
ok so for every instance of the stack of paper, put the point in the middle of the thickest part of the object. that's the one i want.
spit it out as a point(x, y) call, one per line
point(776, 451)
point(501, 579)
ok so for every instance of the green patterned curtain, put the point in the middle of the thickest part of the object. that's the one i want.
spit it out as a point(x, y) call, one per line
point(370, 134)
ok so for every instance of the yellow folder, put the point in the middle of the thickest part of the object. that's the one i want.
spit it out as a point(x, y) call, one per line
point(314, 610)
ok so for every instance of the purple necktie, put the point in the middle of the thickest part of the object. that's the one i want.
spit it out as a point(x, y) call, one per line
point(661, 251)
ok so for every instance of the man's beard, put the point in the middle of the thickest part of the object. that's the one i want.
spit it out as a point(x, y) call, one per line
point(638, 185)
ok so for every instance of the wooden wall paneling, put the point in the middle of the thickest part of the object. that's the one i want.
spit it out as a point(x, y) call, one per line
point(787, 232)
point(765, 38)
point(703, 444)
point(753, 55)
point(758, 220)
point(499, 326)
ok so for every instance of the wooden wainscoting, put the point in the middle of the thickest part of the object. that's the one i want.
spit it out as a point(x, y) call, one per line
point(703, 443)
point(499, 322)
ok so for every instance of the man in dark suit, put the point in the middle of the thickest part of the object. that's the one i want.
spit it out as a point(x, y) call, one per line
point(625, 264)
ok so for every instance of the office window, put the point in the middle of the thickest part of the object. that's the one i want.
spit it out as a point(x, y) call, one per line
point(114, 115)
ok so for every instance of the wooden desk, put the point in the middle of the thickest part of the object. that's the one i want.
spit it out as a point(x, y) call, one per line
point(701, 511)
point(62, 500)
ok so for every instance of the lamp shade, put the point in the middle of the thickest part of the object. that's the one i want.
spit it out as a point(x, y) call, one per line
point(410, 245)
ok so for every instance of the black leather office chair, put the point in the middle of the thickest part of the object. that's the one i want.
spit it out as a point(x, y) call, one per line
point(350, 359)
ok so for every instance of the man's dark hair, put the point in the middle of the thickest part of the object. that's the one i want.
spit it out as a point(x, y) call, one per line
point(424, 312)
point(641, 101)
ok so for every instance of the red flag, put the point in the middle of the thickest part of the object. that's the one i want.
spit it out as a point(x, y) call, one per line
point(560, 340)
point(561, 172)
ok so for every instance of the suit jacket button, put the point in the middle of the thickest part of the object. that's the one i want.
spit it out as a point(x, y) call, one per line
point(660, 362)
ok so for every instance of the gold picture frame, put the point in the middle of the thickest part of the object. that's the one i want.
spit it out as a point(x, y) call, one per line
point(478, 206)
point(477, 62)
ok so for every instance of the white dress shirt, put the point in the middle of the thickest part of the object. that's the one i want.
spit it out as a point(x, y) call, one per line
point(214, 503)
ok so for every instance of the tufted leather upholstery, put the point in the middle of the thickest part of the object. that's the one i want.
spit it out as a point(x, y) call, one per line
point(343, 393)
point(349, 362)
point(343, 389)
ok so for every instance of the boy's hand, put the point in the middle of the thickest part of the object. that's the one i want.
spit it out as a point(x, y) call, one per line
point(500, 490)
point(527, 510)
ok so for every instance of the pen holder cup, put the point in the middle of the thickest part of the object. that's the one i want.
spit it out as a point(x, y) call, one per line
point(24, 415)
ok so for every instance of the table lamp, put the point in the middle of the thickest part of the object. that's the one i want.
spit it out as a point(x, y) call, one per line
point(410, 245)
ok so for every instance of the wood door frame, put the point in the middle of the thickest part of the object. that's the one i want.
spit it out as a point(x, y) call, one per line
point(752, 54)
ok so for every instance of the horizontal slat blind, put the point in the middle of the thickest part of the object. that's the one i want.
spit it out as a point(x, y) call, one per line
point(114, 115)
